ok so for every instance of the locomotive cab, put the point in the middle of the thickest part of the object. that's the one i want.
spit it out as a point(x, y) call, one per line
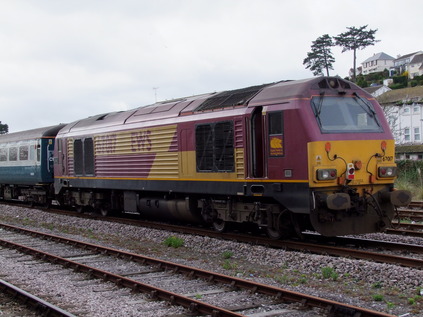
point(352, 172)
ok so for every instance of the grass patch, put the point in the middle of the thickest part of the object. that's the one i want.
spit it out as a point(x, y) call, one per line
point(329, 272)
point(378, 297)
point(228, 265)
point(173, 242)
point(227, 254)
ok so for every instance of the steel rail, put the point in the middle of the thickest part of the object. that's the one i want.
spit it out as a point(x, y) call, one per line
point(32, 301)
point(192, 304)
point(365, 243)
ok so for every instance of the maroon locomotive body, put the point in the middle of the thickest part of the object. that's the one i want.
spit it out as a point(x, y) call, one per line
point(285, 157)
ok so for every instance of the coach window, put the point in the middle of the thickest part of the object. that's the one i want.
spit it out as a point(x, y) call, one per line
point(276, 133)
point(13, 154)
point(38, 152)
point(23, 153)
point(215, 147)
point(3, 155)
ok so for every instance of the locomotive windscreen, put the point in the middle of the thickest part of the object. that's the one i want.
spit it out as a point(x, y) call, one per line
point(345, 115)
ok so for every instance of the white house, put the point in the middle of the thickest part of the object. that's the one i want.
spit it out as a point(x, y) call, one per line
point(416, 66)
point(404, 111)
point(401, 63)
point(377, 63)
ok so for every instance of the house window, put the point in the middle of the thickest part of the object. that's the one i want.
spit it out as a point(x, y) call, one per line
point(215, 147)
point(416, 134)
point(416, 108)
point(406, 110)
point(407, 134)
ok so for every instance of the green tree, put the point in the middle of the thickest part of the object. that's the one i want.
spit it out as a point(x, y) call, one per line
point(354, 39)
point(320, 57)
point(4, 128)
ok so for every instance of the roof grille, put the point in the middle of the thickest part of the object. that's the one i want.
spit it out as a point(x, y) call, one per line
point(230, 98)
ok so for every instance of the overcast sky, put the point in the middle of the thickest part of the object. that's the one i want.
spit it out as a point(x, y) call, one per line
point(62, 60)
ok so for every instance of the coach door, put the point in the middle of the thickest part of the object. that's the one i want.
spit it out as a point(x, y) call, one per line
point(257, 169)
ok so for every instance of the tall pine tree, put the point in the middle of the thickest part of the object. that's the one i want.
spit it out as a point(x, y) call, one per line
point(354, 39)
point(4, 128)
point(320, 58)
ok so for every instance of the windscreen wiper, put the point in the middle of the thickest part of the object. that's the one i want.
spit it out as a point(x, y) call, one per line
point(368, 109)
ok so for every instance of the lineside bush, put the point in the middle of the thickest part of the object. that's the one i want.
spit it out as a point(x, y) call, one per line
point(410, 174)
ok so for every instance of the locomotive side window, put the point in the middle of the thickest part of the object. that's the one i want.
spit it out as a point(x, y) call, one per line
point(89, 156)
point(276, 133)
point(224, 146)
point(78, 157)
point(204, 147)
point(83, 157)
point(215, 147)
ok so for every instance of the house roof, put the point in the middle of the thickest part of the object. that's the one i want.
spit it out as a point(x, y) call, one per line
point(379, 56)
point(406, 56)
point(399, 95)
point(372, 89)
point(417, 59)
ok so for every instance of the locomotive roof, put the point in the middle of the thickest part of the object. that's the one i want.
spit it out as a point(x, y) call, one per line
point(260, 95)
point(39, 133)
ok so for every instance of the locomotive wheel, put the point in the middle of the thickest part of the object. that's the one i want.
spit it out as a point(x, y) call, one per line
point(282, 227)
point(219, 225)
point(105, 210)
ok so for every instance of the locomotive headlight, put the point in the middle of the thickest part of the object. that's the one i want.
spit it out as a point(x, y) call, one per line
point(387, 171)
point(326, 174)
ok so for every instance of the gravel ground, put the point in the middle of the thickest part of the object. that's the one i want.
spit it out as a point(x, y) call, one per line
point(382, 287)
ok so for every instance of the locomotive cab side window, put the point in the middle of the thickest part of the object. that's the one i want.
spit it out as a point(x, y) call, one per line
point(276, 133)
point(215, 147)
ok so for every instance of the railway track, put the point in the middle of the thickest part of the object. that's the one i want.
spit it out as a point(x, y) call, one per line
point(88, 258)
point(338, 246)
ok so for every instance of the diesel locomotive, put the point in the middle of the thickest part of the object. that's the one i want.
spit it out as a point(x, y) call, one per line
point(290, 156)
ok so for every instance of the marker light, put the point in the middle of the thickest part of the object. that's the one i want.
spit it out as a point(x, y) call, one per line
point(383, 145)
point(326, 174)
point(350, 171)
point(387, 171)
